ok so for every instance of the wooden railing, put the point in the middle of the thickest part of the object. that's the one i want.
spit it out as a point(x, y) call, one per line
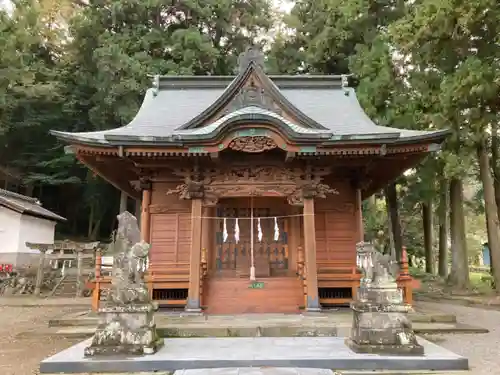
point(338, 280)
point(167, 282)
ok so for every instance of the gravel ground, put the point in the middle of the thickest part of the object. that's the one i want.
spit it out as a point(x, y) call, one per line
point(21, 356)
point(483, 350)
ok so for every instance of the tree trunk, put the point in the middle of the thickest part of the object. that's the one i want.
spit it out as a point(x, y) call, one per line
point(491, 209)
point(495, 164)
point(95, 230)
point(123, 201)
point(443, 227)
point(459, 275)
point(91, 220)
point(391, 198)
point(427, 222)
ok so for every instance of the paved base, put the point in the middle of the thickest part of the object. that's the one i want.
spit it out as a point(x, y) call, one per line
point(257, 371)
point(300, 352)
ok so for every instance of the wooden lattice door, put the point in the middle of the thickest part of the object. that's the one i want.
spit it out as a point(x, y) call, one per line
point(233, 257)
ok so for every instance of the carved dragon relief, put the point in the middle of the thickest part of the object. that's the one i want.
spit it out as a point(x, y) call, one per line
point(252, 144)
point(257, 181)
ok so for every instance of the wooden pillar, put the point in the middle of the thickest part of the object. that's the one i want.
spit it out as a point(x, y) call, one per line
point(79, 270)
point(145, 216)
point(41, 265)
point(359, 216)
point(193, 301)
point(312, 300)
point(96, 294)
point(294, 238)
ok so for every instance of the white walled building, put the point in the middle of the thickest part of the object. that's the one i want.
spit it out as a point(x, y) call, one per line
point(23, 219)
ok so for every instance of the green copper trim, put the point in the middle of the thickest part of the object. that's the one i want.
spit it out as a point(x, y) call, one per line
point(307, 149)
point(196, 150)
point(251, 133)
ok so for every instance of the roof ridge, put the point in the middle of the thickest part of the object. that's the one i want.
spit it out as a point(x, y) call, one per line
point(11, 194)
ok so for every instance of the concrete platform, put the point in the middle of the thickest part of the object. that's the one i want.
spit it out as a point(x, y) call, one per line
point(299, 352)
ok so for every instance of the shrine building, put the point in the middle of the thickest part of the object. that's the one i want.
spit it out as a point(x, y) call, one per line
point(251, 186)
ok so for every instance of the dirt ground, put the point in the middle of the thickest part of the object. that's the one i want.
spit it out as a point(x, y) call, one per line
point(21, 356)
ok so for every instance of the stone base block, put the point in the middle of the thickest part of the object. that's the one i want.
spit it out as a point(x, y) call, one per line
point(127, 329)
point(125, 349)
point(405, 350)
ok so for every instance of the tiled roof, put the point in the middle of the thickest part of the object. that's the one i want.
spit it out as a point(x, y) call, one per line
point(179, 106)
point(26, 205)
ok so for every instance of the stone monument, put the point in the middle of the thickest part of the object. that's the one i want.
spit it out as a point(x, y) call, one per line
point(126, 321)
point(380, 321)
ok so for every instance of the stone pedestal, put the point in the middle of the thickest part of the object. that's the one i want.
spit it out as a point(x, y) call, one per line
point(125, 329)
point(380, 322)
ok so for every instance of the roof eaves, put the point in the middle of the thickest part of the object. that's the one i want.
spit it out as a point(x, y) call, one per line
point(390, 138)
point(76, 138)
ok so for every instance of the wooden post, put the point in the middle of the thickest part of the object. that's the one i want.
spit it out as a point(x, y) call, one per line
point(193, 301)
point(42, 248)
point(145, 217)
point(292, 238)
point(79, 266)
point(312, 301)
point(97, 288)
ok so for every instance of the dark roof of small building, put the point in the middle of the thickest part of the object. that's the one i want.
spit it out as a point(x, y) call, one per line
point(26, 205)
point(176, 110)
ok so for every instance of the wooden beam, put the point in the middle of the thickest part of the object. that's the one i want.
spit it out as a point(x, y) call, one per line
point(103, 172)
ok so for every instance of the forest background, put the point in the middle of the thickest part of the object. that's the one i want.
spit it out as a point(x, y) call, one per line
point(83, 65)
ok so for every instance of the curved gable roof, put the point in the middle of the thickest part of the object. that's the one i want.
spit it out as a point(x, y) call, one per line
point(179, 107)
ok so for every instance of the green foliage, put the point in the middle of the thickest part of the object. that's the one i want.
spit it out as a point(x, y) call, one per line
point(83, 66)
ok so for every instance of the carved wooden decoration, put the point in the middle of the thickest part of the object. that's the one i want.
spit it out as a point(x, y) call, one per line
point(254, 96)
point(268, 181)
point(252, 144)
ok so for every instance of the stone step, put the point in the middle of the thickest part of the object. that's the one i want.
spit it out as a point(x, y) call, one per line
point(249, 330)
point(336, 317)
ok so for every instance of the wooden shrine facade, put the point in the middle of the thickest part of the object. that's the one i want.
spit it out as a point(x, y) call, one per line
point(251, 186)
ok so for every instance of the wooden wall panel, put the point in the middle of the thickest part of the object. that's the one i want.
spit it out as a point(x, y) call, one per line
point(170, 237)
point(170, 225)
point(336, 226)
point(171, 202)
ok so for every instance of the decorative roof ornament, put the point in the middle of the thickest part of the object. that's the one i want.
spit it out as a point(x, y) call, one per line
point(253, 54)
